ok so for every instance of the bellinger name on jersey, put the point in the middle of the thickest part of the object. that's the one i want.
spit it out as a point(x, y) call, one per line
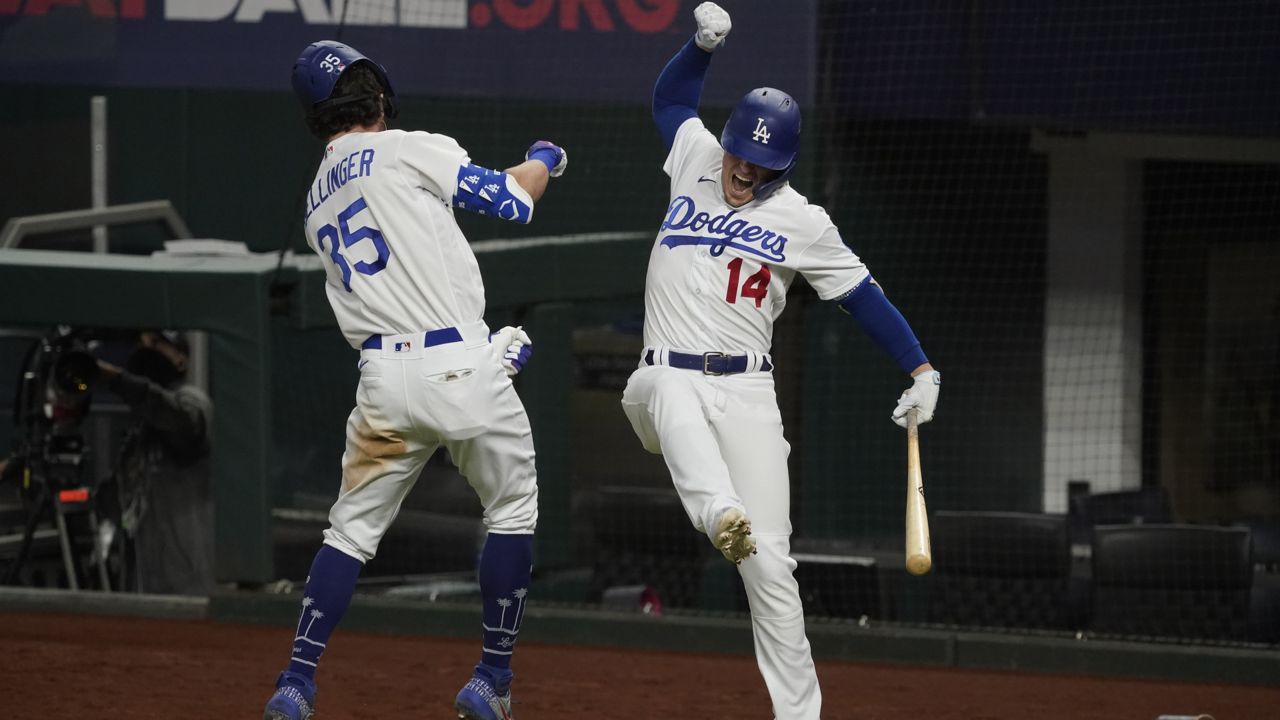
point(357, 164)
point(721, 231)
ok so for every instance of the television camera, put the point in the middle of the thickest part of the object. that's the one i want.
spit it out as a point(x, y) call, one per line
point(53, 397)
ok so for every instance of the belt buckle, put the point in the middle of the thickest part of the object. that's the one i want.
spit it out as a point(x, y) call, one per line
point(707, 357)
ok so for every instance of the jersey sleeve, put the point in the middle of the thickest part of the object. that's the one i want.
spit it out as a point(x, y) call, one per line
point(694, 146)
point(830, 266)
point(434, 160)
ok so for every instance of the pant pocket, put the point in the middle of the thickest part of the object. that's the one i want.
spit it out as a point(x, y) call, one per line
point(458, 402)
point(642, 425)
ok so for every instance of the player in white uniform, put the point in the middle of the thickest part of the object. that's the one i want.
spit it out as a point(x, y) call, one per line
point(734, 236)
point(406, 290)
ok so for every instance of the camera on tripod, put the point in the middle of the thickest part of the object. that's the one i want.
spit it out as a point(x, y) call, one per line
point(54, 394)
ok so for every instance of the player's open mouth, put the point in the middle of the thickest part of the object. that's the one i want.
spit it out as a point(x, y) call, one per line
point(741, 185)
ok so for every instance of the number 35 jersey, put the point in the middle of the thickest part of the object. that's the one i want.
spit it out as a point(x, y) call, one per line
point(718, 275)
point(379, 213)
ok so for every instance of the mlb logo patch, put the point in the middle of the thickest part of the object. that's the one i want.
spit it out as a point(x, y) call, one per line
point(405, 346)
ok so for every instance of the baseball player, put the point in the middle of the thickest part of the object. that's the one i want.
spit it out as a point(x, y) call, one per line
point(407, 293)
point(734, 236)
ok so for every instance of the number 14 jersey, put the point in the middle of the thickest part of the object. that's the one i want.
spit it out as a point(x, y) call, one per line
point(718, 275)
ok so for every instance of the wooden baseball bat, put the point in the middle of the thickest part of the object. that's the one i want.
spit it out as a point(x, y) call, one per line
point(919, 556)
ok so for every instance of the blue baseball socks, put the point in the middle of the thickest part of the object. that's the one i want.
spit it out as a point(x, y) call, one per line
point(506, 564)
point(325, 598)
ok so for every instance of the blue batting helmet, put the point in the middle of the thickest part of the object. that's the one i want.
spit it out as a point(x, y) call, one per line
point(764, 129)
point(318, 68)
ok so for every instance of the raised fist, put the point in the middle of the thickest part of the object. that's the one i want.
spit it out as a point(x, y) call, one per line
point(551, 155)
point(713, 25)
point(512, 347)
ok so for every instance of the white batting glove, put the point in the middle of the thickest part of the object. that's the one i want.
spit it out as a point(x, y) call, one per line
point(923, 394)
point(713, 26)
point(512, 347)
point(556, 157)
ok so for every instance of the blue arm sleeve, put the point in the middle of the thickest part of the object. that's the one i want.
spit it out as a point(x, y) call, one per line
point(489, 192)
point(679, 86)
point(879, 319)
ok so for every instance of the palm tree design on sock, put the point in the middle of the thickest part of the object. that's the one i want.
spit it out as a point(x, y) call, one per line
point(315, 615)
point(508, 637)
point(299, 654)
point(520, 594)
point(306, 603)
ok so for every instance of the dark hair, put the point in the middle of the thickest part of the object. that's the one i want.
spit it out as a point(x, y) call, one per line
point(360, 83)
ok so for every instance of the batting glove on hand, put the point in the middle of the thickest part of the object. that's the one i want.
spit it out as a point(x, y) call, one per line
point(512, 347)
point(552, 155)
point(923, 394)
point(713, 26)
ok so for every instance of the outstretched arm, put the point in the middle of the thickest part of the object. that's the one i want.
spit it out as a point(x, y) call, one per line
point(510, 194)
point(679, 86)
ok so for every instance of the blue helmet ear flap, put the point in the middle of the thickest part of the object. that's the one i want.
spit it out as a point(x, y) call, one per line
point(766, 189)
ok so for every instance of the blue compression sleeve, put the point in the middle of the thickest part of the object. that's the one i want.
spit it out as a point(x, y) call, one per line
point(879, 319)
point(679, 87)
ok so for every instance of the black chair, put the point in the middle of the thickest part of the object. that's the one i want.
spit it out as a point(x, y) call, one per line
point(1000, 569)
point(1174, 581)
point(1122, 507)
point(1264, 603)
point(1264, 535)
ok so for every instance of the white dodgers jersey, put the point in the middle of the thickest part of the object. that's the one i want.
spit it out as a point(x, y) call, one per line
point(718, 275)
point(380, 215)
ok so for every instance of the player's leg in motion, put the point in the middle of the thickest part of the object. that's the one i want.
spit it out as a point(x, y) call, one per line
point(668, 409)
point(379, 467)
point(749, 434)
point(499, 465)
point(330, 584)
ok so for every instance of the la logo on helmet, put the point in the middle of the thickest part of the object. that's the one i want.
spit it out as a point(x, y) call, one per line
point(761, 133)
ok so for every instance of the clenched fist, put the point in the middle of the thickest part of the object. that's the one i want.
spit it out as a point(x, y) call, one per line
point(713, 26)
point(551, 155)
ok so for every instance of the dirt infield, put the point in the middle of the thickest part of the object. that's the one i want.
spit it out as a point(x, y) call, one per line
point(68, 666)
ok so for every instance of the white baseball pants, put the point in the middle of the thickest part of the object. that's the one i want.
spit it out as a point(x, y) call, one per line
point(409, 402)
point(721, 437)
